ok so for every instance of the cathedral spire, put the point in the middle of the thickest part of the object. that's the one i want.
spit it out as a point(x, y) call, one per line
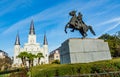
point(45, 40)
point(17, 42)
point(32, 30)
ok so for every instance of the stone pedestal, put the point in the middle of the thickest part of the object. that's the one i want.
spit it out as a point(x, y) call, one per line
point(76, 50)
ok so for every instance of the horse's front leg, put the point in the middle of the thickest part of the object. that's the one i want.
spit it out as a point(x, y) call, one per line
point(66, 28)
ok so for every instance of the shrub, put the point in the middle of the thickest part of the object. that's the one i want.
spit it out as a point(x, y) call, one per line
point(56, 62)
point(51, 70)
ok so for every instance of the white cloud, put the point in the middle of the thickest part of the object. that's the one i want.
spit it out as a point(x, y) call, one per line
point(56, 15)
point(112, 27)
point(117, 19)
point(107, 9)
point(17, 26)
point(48, 14)
point(92, 4)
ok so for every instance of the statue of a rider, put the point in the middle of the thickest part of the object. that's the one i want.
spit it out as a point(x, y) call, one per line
point(76, 23)
point(79, 22)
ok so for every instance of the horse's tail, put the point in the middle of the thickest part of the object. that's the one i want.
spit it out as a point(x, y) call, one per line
point(91, 30)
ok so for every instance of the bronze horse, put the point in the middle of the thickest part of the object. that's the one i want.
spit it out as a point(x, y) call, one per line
point(76, 23)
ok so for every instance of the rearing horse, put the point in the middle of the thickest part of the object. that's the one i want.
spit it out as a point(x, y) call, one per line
point(76, 23)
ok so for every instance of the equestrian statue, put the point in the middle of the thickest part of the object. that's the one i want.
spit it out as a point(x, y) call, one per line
point(76, 23)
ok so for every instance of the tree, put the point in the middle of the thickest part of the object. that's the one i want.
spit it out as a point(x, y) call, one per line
point(5, 63)
point(118, 34)
point(106, 37)
point(23, 56)
point(30, 58)
point(113, 42)
point(39, 56)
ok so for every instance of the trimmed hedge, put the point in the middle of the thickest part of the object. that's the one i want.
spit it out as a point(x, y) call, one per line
point(51, 70)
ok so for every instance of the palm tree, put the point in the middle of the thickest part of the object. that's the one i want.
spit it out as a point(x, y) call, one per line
point(23, 56)
point(30, 58)
point(39, 56)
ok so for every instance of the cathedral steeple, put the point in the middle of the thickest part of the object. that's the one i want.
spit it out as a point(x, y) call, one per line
point(45, 40)
point(32, 30)
point(17, 42)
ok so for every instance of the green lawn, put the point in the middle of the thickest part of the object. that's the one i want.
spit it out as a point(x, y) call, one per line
point(75, 69)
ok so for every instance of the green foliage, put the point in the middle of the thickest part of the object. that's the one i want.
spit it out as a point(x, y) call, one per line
point(23, 56)
point(113, 42)
point(118, 34)
point(5, 63)
point(52, 70)
point(39, 56)
point(30, 58)
point(56, 62)
point(106, 37)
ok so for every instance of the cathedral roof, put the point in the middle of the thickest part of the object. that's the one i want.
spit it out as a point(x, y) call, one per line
point(32, 30)
point(17, 42)
point(45, 40)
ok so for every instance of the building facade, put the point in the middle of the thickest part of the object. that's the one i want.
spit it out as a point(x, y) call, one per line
point(31, 47)
point(54, 55)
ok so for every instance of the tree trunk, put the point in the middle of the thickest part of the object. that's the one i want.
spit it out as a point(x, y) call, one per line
point(22, 61)
point(38, 60)
point(29, 63)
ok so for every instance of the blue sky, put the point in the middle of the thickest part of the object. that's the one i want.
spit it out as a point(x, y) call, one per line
point(51, 16)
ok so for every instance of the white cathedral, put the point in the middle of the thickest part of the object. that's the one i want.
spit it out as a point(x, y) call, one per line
point(31, 47)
